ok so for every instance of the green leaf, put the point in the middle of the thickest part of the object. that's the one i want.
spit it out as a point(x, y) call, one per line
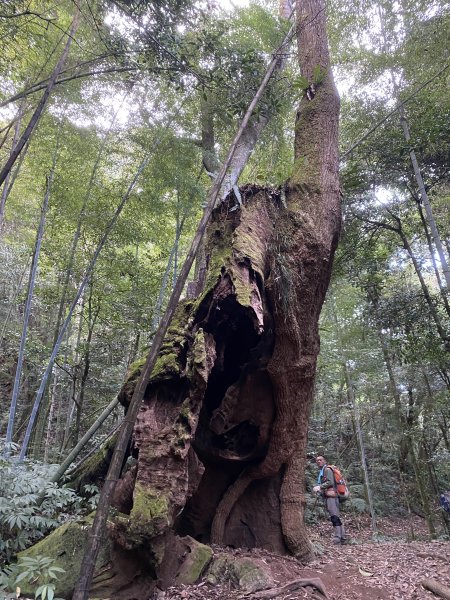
point(22, 576)
point(319, 74)
point(300, 83)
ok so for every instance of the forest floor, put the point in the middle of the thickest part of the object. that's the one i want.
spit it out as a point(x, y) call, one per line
point(391, 567)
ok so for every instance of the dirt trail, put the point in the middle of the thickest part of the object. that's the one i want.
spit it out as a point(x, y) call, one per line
point(391, 567)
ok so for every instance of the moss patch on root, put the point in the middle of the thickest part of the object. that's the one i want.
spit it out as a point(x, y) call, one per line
point(66, 545)
point(244, 573)
point(194, 564)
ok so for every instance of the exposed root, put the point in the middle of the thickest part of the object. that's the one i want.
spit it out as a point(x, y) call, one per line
point(314, 582)
point(229, 499)
point(437, 588)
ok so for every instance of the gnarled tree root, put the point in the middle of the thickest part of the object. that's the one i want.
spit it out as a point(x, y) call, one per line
point(437, 588)
point(314, 582)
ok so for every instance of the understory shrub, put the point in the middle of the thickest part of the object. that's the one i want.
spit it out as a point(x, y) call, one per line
point(31, 505)
point(37, 572)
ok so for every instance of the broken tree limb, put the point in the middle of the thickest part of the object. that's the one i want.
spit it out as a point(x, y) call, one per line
point(437, 588)
point(313, 582)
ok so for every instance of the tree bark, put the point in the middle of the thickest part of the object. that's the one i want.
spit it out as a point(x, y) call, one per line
point(443, 289)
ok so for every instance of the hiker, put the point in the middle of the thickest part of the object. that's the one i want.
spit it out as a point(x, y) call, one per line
point(326, 487)
point(444, 501)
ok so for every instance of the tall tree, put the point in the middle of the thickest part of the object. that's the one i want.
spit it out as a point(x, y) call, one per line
point(233, 384)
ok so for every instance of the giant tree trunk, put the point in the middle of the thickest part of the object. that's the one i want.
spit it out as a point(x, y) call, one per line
point(220, 437)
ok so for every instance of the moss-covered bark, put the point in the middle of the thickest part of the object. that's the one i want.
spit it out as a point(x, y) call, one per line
point(93, 468)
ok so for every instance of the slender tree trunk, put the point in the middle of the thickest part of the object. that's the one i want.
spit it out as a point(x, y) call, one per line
point(7, 185)
point(177, 241)
point(417, 173)
point(399, 230)
point(92, 319)
point(422, 488)
point(75, 452)
point(400, 421)
point(443, 290)
point(444, 427)
point(426, 201)
point(31, 282)
point(163, 289)
point(43, 101)
point(52, 402)
point(442, 334)
point(13, 304)
point(71, 405)
point(357, 421)
point(426, 450)
point(362, 452)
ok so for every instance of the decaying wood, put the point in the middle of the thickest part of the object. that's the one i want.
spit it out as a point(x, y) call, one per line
point(149, 505)
point(437, 588)
point(314, 582)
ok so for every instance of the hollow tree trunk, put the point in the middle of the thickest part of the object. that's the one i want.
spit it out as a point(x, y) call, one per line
point(220, 437)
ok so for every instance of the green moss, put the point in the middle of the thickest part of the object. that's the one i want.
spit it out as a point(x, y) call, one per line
point(66, 545)
point(300, 173)
point(135, 368)
point(166, 365)
point(185, 410)
point(195, 563)
point(149, 515)
point(220, 251)
point(199, 349)
point(242, 289)
point(182, 429)
point(244, 573)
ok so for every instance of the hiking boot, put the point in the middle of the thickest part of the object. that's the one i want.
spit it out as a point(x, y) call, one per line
point(337, 535)
point(337, 541)
point(343, 536)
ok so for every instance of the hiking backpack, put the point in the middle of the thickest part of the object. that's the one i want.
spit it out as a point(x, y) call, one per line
point(341, 485)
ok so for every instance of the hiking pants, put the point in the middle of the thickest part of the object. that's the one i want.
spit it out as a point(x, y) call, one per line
point(332, 506)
